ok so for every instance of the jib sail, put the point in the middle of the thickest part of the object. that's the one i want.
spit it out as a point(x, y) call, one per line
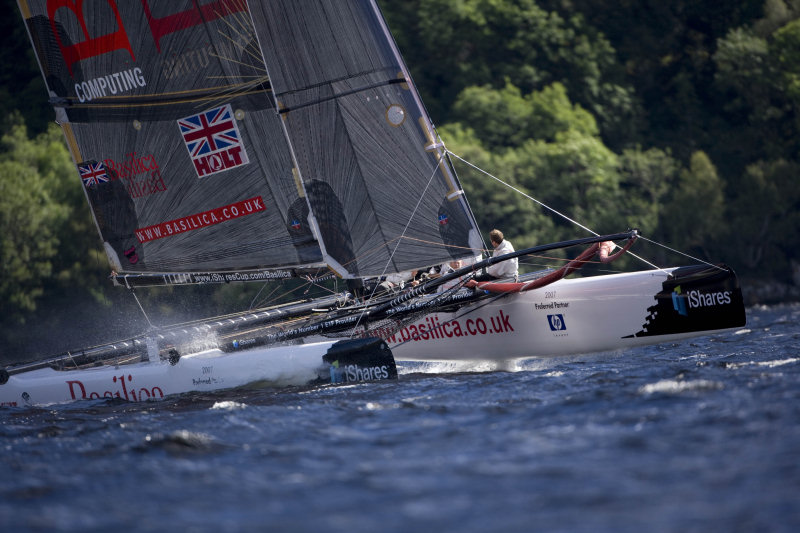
point(363, 144)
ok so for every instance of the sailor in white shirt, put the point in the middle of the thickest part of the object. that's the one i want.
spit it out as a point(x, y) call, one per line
point(504, 269)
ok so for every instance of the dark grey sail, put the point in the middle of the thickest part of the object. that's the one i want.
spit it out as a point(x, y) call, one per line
point(167, 113)
point(382, 195)
point(195, 171)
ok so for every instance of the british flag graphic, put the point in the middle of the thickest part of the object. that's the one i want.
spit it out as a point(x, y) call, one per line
point(213, 141)
point(93, 173)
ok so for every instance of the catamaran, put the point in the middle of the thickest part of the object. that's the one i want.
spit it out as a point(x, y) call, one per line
point(260, 141)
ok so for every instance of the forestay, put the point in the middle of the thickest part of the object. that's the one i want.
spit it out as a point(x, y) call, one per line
point(189, 166)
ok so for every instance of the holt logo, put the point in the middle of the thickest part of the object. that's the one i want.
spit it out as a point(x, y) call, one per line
point(213, 140)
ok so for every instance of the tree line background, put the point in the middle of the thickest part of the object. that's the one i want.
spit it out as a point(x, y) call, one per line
point(677, 117)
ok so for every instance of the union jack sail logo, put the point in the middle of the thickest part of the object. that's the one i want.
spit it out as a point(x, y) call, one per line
point(93, 173)
point(213, 140)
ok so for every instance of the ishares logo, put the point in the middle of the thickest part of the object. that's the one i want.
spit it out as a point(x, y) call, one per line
point(696, 299)
point(679, 301)
point(348, 373)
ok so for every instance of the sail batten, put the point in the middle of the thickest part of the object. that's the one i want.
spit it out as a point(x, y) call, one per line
point(375, 85)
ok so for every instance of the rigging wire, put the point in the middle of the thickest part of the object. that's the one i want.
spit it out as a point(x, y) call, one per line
point(555, 211)
point(562, 215)
point(266, 298)
point(314, 282)
point(305, 287)
point(152, 326)
point(681, 253)
point(397, 244)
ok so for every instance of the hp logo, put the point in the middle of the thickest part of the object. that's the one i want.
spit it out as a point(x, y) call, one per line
point(556, 322)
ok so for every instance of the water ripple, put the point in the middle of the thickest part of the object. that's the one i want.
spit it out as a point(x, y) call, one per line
point(686, 436)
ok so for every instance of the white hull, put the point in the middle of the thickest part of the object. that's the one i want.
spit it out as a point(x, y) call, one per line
point(200, 372)
point(204, 371)
point(570, 316)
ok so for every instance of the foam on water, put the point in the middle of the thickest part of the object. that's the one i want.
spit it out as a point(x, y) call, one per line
point(671, 386)
point(228, 405)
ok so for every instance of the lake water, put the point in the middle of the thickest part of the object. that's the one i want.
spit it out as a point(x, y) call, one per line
point(697, 436)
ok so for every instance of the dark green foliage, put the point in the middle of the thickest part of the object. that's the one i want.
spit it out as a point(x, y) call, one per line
point(695, 104)
point(21, 85)
point(451, 46)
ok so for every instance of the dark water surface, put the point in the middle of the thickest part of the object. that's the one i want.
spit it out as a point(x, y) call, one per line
point(702, 435)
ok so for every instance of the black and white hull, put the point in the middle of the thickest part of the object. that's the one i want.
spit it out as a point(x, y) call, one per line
point(581, 315)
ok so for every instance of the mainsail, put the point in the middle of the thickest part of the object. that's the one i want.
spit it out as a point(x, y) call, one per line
point(271, 139)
